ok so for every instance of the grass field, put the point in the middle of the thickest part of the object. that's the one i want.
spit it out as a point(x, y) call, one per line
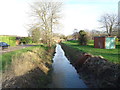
point(9, 40)
point(109, 54)
point(6, 58)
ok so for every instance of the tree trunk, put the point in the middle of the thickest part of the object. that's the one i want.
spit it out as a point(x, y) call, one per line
point(110, 31)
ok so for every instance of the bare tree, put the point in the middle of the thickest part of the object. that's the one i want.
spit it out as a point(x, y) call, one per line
point(75, 34)
point(108, 21)
point(47, 16)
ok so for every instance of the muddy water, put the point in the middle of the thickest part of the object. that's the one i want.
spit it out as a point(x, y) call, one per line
point(64, 74)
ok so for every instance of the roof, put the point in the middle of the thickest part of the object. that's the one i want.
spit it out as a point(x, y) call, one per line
point(105, 36)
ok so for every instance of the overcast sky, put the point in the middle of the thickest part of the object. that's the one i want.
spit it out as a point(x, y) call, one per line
point(77, 14)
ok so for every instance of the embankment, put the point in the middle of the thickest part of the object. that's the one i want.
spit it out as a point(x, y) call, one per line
point(96, 71)
point(31, 69)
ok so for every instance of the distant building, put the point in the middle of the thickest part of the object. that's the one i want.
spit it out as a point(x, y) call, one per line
point(104, 42)
point(12, 40)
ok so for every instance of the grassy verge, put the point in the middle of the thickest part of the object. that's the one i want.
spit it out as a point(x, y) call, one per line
point(28, 68)
point(109, 54)
point(6, 58)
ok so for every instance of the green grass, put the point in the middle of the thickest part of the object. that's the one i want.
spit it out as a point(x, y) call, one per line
point(6, 58)
point(109, 54)
point(9, 40)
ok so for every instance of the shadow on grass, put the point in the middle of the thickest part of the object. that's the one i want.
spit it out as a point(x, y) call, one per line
point(118, 46)
point(73, 41)
point(78, 45)
point(87, 46)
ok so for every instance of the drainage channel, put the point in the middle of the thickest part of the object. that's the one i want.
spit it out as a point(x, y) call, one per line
point(64, 74)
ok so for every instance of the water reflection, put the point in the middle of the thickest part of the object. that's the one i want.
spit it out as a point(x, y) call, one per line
point(64, 74)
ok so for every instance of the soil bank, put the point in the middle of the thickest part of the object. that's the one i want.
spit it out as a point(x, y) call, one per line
point(94, 70)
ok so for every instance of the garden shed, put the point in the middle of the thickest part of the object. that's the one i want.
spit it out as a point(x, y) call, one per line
point(107, 42)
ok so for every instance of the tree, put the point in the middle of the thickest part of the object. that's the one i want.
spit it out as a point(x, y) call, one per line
point(26, 40)
point(35, 34)
point(108, 21)
point(47, 17)
point(83, 39)
point(75, 34)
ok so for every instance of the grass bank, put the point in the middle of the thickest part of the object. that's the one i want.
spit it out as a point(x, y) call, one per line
point(28, 68)
point(109, 54)
point(6, 58)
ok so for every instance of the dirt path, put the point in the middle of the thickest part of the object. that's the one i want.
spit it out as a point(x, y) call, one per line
point(13, 48)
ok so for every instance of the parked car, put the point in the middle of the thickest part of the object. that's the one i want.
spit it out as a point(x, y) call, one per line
point(4, 45)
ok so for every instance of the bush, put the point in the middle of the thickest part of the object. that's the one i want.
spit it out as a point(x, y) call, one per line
point(83, 38)
point(26, 40)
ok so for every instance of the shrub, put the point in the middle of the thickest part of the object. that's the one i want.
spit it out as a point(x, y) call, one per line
point(26, 40)
point(83, 38)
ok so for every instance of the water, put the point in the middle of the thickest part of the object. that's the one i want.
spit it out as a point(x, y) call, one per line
point(64, 74)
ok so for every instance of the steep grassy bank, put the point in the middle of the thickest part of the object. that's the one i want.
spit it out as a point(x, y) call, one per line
point(31, 68)
point(96, 72)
